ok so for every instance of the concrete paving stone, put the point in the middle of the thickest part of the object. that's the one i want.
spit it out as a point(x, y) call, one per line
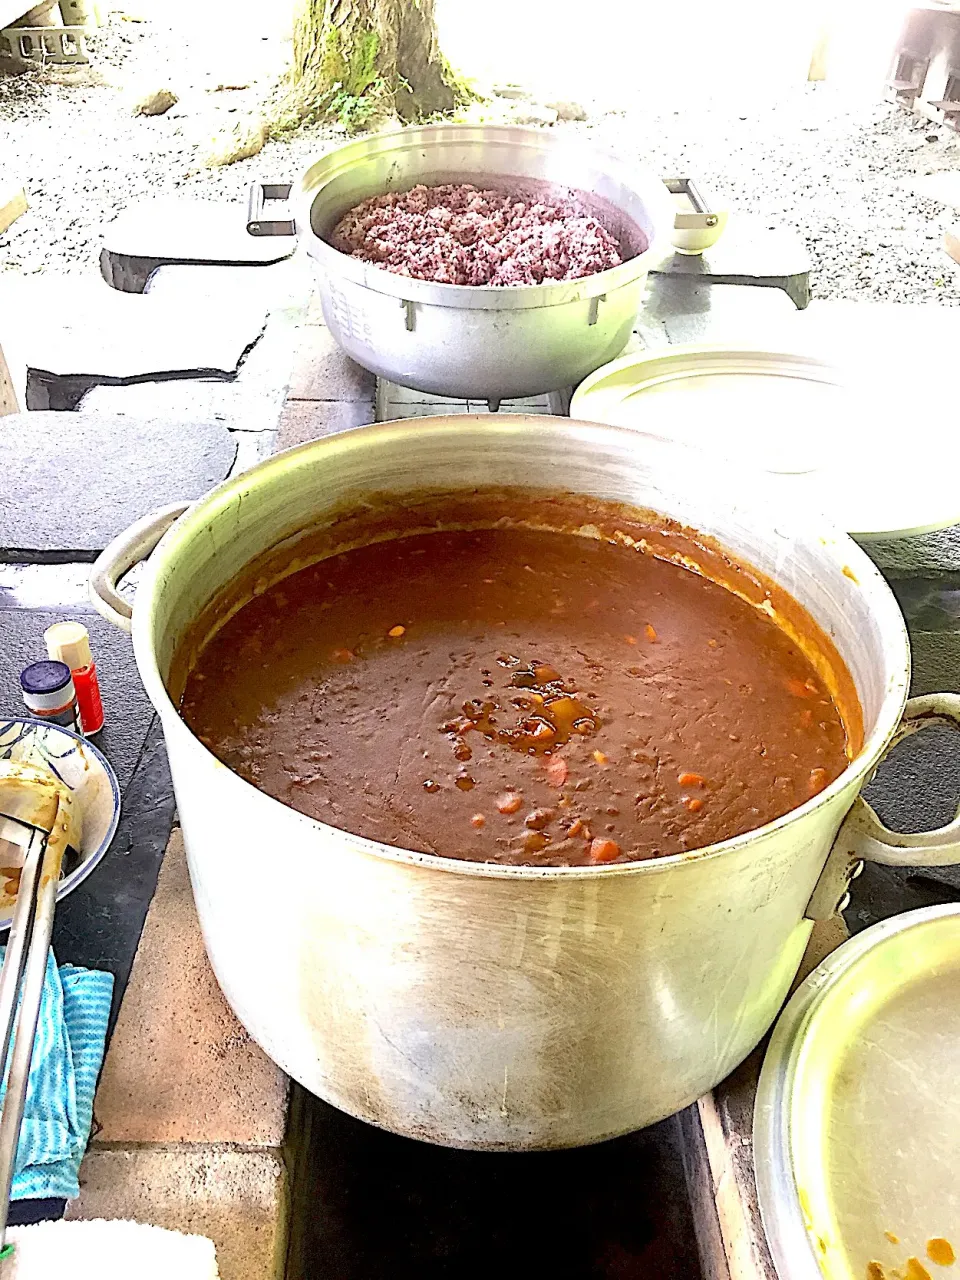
point(440, 408)
point(323, 371)
point(82, 478)
point(313, 313)
point(180, 1067)
point(238, 1199)
point(304, 420)
point(394, 393)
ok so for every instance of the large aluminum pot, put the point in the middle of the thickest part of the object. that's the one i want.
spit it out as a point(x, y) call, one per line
point(480, 342)
point(503, 1007)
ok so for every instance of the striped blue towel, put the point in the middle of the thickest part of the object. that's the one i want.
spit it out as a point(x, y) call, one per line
point(67, 1055)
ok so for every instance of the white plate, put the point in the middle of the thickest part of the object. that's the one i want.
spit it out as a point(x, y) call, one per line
point(843, 441)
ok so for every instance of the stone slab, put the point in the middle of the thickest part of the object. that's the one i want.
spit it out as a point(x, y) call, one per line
point(282, 286)
point(750, 252)
point(304, 420)
point(82, 478)
point(75, 327)
point(690, 310)
point(927, 555)
point(915, 789)
point(915, 338)
point(180, 1067)
point(252, 400)
point(176, 229)
point(238, 1199)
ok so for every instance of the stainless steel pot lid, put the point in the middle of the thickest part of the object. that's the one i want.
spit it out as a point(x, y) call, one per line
point(877, 458)
point(857, 1120)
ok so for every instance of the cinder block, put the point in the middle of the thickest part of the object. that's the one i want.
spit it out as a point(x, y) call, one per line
point(323, 371)
point(236, 1198)
point(180, 1067)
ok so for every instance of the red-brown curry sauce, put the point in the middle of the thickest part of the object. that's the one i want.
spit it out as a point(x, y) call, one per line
point(483, 689)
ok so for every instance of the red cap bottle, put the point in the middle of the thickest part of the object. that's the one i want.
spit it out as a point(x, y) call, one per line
point(69, 642)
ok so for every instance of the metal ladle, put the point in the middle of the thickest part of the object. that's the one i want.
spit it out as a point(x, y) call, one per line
point(36, 815)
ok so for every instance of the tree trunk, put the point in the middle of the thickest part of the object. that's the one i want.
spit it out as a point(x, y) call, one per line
point(355, 59)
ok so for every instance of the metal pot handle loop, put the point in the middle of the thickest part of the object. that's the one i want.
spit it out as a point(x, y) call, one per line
point(876, 843)
point(258, 195)
point(126, 550)
point(864, 838)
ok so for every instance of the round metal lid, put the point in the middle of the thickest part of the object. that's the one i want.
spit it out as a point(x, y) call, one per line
point(857, 1120)
point(864, 449)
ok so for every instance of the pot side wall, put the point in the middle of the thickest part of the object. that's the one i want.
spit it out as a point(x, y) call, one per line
point(497, 1013)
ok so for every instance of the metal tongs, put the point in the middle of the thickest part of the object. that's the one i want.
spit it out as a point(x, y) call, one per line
point(37, 823)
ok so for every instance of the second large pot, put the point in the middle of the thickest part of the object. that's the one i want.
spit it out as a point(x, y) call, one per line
point(501, 1007)
point(471, 341)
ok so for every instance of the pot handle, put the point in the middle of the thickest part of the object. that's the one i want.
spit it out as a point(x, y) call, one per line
point(126, 550)
point(257, 196)
point(864, 838)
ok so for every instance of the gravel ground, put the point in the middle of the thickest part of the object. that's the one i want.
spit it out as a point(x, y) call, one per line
point(836, 169)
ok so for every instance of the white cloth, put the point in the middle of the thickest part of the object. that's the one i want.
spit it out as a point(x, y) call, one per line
point(101, 1250)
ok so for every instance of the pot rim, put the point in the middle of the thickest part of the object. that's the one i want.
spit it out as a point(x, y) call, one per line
point(482, 297)
point(194, 519)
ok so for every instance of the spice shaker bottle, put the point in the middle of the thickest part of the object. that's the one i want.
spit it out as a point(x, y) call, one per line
point(69, 642)
point(49, 694)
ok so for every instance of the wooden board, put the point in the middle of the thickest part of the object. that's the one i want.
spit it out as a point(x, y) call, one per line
point(13, 200)
point(8, 394)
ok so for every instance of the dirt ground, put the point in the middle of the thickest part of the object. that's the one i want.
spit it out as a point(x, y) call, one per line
point(834, 163)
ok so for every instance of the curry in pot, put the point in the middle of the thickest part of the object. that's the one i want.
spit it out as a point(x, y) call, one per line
point(527, 695)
